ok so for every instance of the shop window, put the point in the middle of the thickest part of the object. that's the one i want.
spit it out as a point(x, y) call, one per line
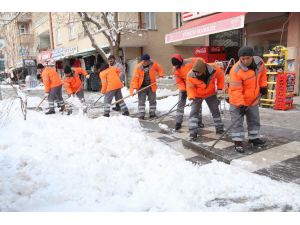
point(231, 40)
point(58, 36)
point(72, 31)
point(150, 20)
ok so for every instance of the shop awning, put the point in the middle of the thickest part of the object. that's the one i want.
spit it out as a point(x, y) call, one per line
point(212, 24)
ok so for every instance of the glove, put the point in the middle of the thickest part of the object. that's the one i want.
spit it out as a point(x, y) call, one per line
point(88, 76)
point(46, 95)
point(243, 109)
point(264, 90)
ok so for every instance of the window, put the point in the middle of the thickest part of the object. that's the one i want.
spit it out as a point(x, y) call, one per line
point(178, 20)
point(58, 36)
point(72, 31)
point(150, 20)
point(22, 29)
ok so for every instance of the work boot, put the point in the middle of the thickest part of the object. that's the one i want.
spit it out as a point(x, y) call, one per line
point(200, 124)
point(126, 113)
point(152, 115)
point(62, 108)
point(106, 114)
point(141, 117)
point(116, 108)
point(69, 112)
point(220, 130)
point(51, 111)
point(177, 126)
point(193, 137)
point(258, 143)
point(239, 147)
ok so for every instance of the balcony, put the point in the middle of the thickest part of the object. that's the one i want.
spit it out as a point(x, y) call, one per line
point(27, 38)
point(25, 18)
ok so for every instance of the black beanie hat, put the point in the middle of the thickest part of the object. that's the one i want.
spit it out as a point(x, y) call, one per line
point(246, 51)
point(145, 57)
point(40, 66)
point(67, 70)
point(175, 62)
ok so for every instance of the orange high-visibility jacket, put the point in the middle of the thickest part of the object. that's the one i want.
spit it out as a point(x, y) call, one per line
point(50, 79)
point(244, 86)
point(196, 88)
point(181, 73)
point(138, 76)
point(110, 80)
point(74, 84)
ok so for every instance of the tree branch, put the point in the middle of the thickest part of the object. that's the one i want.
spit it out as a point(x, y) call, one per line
point(93, 41)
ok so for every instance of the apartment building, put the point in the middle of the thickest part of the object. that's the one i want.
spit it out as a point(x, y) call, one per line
point(59, 38)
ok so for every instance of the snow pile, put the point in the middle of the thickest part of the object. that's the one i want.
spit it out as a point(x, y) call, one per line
point(72, 163)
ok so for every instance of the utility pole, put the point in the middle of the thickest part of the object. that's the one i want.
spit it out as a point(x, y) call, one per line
point(51, 31)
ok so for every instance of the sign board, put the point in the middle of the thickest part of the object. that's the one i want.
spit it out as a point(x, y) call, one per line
point(231, 23)
point(186, 16)
point(60, 53)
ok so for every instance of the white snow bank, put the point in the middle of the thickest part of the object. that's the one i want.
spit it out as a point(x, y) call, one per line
point(72, 163)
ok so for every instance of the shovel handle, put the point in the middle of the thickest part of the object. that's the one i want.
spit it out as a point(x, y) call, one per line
point(133, 94)
point(41, 102)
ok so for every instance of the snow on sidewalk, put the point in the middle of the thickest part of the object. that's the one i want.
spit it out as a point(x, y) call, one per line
point(72, 163)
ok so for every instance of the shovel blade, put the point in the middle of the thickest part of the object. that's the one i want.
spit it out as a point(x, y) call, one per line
point(150, 125)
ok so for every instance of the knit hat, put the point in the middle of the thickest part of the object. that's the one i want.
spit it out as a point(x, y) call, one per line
point(199, 66)
point(67, 70)
point(246, 51)
point(176, 60)
point(145, 57)
point(40, 66)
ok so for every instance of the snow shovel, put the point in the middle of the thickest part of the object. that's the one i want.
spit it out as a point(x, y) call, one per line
point(93, 104)
point(209, 148)
point(38, 108)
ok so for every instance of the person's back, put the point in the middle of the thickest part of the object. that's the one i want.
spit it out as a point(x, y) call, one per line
point(110, 80)
point(51, 78)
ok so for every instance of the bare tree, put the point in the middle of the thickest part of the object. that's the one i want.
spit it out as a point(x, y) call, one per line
point(110, 27)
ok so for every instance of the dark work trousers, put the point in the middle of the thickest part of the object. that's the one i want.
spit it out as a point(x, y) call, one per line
point(142, 101)
point(253, 123)
point(213, 105)
point(109, 97)
point(181, 106)
point(55, 94)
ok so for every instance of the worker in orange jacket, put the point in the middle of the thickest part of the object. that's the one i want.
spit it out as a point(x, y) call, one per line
point(201, 84)
point(145, 75)
point(181, 67)
point(73, 84)
point(111, 87)
point(53, 87)
point(248, 79)
point(121, 72)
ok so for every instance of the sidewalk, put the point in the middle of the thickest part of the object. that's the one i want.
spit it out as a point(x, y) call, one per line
point(280, 160)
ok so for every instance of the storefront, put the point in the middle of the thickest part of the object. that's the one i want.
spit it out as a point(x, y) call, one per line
point(260, 30)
